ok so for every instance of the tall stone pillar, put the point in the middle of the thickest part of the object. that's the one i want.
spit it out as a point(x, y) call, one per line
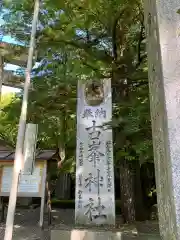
point(95, 204)
point(163, 44)
point(30, 141)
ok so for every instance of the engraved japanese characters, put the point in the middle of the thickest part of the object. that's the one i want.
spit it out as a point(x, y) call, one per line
point(94, 155)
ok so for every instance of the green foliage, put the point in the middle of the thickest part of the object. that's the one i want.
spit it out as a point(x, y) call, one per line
point(86, 40)
point(8, 126)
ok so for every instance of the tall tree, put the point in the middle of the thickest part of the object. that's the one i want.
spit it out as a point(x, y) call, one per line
point(85, 40)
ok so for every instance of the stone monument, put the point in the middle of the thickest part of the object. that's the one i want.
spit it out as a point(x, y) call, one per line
point(163, 31)
point(95, 204)
point(30, 141)
point(29, 157)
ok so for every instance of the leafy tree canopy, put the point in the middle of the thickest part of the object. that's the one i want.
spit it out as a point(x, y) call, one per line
point(86, 40)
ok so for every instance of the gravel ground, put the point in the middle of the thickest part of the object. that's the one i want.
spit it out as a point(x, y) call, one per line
point(26, 226)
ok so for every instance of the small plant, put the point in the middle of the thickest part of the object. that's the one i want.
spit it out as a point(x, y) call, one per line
point(178, 11)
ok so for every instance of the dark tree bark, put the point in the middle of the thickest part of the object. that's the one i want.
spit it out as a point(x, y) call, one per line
point(148, 182)
point(140, 211)
point(127, 191)
point(131, 191)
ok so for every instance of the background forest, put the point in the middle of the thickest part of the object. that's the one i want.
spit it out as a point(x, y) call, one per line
point(95, 39)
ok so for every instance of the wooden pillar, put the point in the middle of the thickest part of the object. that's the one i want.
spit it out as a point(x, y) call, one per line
point(163, 44)
point(63, 186)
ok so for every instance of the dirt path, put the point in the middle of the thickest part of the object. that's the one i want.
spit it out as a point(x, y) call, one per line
point(26, 226)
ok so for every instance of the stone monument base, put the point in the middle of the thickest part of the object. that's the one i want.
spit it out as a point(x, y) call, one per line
point(88, 234)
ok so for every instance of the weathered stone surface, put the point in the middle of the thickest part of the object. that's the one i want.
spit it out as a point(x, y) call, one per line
point(98, 235)
point(94, 160)
point(162, 26)
point(30, 148)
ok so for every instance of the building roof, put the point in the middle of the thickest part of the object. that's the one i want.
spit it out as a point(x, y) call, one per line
point(41, 155)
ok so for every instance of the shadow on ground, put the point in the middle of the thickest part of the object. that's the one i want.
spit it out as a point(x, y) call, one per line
point(26, 226)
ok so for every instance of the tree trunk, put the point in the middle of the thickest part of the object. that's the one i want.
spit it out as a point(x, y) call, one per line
point(127, 191)
point(148, 182)
point(131, 191)
point(140, 211)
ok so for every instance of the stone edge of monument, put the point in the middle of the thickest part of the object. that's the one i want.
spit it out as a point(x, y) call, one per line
point(88, 234)
point(95, 201)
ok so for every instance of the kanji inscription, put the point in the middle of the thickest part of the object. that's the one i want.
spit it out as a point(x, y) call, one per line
point(97, 181)
point(94, 203)
point(94, 113)
point(94, 143)
point(95, 211)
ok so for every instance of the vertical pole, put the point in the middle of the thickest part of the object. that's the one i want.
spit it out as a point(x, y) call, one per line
point(43, 193)
point(18, 163)
point(163, 47)
point(1, 74)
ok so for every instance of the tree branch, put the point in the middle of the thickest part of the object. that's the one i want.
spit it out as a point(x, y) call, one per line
point(139, 57)
point(114, 35)
point(94, 69)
